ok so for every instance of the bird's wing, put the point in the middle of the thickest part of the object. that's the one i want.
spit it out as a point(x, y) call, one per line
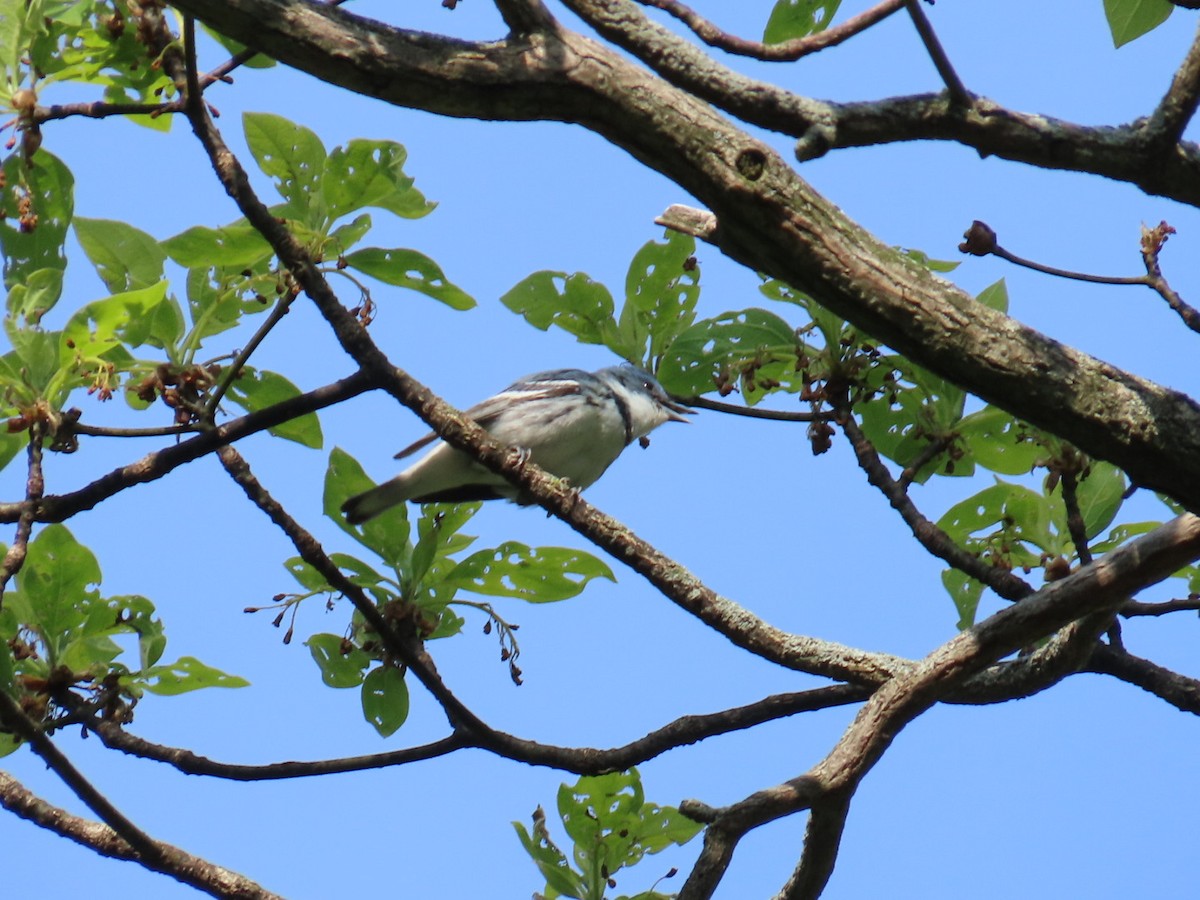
point(538, 387)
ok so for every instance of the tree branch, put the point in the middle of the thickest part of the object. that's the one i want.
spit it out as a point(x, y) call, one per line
point(928, 535)
point(579, 760)
point(1093, 592)
point(180, 865)
point(1180, 691)
point(956, 90)
point(785, 51)
point(35, 484)
point(56, 508)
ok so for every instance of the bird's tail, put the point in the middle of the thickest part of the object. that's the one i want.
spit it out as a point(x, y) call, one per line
point(369, 504)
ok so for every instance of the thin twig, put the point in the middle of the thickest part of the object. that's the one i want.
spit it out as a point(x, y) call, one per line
point(1152, 244)
point(1136, 608)
point(1075, 523)
point(785, 51)
point(56, 508)
point(156, 431)
point(579, 760)
point(753, 412)
point(233, 371)
point(932, 538)
point(954, 86)
point(980, 240)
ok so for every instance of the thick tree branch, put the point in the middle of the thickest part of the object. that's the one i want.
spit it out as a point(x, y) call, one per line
point(769, 219)
point(180, 865)
point(1093, 592)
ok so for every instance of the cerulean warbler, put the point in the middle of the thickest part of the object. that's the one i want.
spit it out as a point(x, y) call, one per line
point(574, 424)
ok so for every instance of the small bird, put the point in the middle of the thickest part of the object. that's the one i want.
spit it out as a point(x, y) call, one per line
point(574, 424)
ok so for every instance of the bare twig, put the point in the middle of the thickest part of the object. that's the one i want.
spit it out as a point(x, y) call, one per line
point(192, 870)
point(582, 760)
point(1075, 524)
point(932, 538)
point(785, 51)
point(980, 240)
point(1152, 243)
point(234, 370)
point(753, 412)
point(1135, 608)
point(954, 86)
point(56, 508)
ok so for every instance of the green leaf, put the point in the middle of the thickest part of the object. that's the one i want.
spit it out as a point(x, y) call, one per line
point(125, 257)
point(1010, 510)
point(387, 533)
point(385, 699)
point(579, 306)
point(236, 245)
point(995, 296)
point(295, 157)
point(933, 265)
point(965, 591)
point(371, 173)
point(346, 236)
point(797, 18)
point(1100, 496)
point(51, 195)
point(912, 410)
point(258, 389)
point(308, 577)
point(59, 575)
point(561, 879)
point(997, 441)
point(31, 299)
point(122, 319)
point(36, 356)
point(1130, 19)
point(338, 669)
point(409, 269)
point(258, 61)
point(662, 288)
point(540, 575)
point(701, 354)
point(612, 825)
point(185, 674)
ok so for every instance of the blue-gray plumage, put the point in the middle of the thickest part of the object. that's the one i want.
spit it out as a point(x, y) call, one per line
point(574, 424)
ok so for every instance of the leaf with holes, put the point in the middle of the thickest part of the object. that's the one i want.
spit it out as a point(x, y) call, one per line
point(535, 574)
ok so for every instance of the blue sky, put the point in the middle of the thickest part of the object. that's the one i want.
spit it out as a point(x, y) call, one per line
point(1087, 790)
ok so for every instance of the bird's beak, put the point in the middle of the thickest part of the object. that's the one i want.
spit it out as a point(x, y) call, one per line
point(675, 409)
